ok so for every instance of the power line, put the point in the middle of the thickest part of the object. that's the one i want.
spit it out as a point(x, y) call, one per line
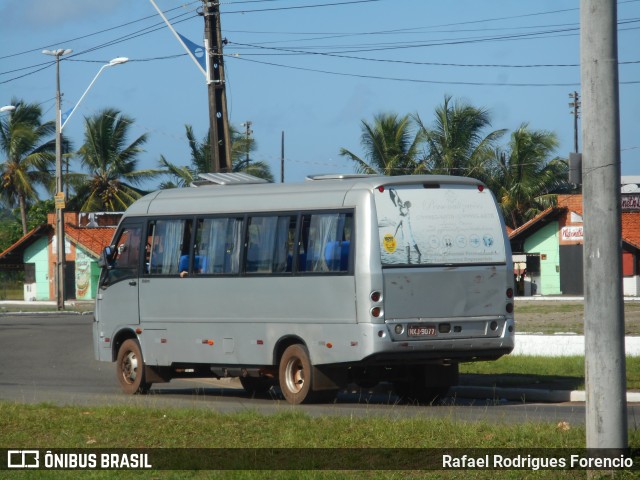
point(415, 80)
point(410, 80)
point(409, 62)
point(90, 34)
point(298, 7)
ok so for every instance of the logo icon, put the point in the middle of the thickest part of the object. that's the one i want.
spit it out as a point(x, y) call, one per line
point(23, 459)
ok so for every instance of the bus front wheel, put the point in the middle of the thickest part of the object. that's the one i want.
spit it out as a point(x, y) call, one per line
point(295, 374)
point(130, 368)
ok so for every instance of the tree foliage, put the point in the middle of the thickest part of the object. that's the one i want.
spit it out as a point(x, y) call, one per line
point(390, 146)
point(241, 161)
point(113, 181)
point(524, 175)
point(29, 154)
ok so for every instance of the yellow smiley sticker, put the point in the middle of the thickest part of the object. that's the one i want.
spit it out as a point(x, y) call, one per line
point(390, 243)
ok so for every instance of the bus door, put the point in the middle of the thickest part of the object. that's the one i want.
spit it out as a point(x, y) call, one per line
point(117, 298)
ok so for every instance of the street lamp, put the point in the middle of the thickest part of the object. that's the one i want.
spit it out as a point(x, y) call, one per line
point(115, 61)
point(59, 197)
point(7, 108)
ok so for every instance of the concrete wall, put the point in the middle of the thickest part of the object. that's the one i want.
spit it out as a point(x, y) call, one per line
point(631, 286)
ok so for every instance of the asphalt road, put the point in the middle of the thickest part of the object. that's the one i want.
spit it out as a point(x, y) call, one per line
point(49, 358)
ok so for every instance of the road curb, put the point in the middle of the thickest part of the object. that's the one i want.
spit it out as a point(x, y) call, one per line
point(528, 394)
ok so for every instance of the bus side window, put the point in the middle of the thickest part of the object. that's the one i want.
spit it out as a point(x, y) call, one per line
point(218, 245)
point(169, 244)
point(270, 244)
point(325, 242)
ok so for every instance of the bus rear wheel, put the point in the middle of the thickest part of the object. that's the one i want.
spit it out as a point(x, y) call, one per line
point(130, 368)
point(295, 374)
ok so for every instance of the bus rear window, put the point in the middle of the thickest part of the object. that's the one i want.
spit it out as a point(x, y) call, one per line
point(454, 224)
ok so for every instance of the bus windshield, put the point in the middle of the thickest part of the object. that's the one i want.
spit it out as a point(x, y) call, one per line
point(448, 224)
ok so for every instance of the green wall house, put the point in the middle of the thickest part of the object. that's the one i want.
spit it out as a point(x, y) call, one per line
point(545, 244)
point(33, 256)
point(36, 259)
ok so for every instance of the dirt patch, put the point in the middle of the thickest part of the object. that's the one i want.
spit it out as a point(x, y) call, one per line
point(533, 316)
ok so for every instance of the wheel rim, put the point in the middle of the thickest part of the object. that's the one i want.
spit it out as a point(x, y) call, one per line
point(294, 375)
point(130, 367)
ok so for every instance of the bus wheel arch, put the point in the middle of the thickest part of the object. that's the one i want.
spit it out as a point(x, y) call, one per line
point(118, 339)
point(130, 368)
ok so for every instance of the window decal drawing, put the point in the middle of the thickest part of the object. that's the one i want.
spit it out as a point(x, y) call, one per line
point(427, 226)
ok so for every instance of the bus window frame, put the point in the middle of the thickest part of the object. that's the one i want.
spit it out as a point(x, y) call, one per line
point(245, 217)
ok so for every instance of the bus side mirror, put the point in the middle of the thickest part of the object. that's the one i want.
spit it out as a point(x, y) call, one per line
point(106, 259)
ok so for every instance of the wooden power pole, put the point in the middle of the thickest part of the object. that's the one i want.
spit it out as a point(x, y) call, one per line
point(219, 137)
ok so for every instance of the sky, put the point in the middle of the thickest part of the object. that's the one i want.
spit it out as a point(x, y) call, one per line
point(313, 69)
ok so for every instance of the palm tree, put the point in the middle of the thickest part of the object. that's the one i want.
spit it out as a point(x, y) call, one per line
point(390, 147)
point(241, 146)
point(526, 178)
point(183, 176)
point(456, 144)
point(28, 155)
point(112, 181)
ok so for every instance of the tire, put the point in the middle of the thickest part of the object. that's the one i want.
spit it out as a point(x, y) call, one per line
point(130, 368)
point(295, 375)
point(257, 385)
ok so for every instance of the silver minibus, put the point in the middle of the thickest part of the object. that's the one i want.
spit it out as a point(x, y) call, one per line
point(308, 286)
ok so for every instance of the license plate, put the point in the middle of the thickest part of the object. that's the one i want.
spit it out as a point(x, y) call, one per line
point(421, 330)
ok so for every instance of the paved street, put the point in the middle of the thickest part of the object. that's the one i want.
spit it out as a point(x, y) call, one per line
point(49, 358)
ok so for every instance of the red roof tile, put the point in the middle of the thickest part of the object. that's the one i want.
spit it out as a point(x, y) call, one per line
point(92, 239)
point(631, 228)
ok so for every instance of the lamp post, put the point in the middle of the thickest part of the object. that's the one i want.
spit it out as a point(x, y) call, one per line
point(7, 108)
point(60, 197)
point(115, 61)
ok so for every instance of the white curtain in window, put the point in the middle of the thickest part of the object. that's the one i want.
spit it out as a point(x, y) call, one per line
point(323, 229)
point(171, 232)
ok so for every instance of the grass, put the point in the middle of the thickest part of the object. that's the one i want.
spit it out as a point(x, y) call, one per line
point(48, 426)
point(538, 372)
point(547, 316)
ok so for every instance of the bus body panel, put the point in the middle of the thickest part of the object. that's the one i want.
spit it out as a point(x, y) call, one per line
point(445, 292)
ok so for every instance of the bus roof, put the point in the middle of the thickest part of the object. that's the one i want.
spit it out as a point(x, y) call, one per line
point(318, 192)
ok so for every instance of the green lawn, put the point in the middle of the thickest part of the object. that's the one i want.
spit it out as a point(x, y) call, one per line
point(47, 426)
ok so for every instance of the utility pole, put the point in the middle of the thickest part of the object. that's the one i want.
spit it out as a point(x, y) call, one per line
point(218, 122)
point(248, 133)
point(606, 405)
point(282, 158)
point(60, 195)
point(576, 113)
